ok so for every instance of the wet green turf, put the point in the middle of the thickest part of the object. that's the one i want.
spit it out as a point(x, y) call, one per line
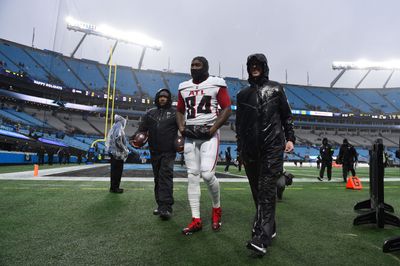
point(81, 223)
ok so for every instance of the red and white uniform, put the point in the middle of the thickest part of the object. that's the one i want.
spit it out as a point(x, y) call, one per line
point(200, 103)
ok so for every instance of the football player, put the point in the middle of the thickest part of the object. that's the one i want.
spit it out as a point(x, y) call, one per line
point(199, 118)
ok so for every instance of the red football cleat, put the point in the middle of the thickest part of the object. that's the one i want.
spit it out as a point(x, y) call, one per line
point(194, 226)
point(216, 218)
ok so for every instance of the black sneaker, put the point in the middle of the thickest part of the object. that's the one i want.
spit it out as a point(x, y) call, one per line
point(319, 178)
point(165, 215)
point(257, 247)
point(117, 190)
point(156, 212)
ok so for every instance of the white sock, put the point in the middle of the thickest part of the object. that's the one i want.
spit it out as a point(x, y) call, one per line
point(213, 188)
point(194, 194)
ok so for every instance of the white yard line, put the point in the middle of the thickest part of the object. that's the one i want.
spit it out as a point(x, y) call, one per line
point(44, 176)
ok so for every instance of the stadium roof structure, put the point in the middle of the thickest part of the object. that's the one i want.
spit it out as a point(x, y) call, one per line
point(365, 65)
point(108, 32)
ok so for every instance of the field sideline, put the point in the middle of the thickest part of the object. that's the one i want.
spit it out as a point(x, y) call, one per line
point(80, 223)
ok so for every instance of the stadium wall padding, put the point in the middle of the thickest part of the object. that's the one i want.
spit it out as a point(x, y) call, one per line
point(27, 158)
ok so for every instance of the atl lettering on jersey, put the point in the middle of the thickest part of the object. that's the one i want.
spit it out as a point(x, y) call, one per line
point(200, 102)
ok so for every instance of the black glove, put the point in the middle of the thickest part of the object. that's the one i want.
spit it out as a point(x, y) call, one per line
point(197, 132)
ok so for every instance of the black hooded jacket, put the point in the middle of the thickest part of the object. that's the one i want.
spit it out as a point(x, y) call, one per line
point(263, 118)
point(326, 151)
point(347, 154)
point(161, 124)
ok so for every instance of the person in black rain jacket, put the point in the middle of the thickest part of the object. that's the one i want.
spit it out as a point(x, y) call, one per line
point(325, 152)
point(264, 128)
point(160, 123)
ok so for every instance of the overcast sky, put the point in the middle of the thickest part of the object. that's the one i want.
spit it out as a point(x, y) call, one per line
point(299, 36)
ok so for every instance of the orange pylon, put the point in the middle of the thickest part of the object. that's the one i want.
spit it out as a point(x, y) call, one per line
point(36, 170)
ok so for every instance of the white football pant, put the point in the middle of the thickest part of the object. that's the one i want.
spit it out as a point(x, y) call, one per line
point(201, 159)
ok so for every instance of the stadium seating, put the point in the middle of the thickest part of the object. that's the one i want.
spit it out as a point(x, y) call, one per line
point(392, 96)
point(353, 102)
point(234, 86)
point(314, 102)
point(294, 100)
point(88, 73)
point(57, 69)
point(373, 98)
point(28, 118)
point(150, 81)
point(25, 63)
point(125, 82)
point(174, 79)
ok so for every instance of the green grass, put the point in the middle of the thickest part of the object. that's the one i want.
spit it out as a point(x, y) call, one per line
point(29, 167)
point(313, 172)
point(80, 223)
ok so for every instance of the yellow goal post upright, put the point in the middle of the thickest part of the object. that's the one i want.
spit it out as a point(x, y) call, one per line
point(112, 75)
point(105, 31)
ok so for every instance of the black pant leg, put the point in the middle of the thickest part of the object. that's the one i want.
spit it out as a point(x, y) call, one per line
point(165, 181)
point(252, 169)
point(112, 172)
point(117, 166)
point(266, 208)
point(228, 162)
point(155, 163)
point(271, 165)
point(322, 170)
point(345, 170)
point(329, 170)
point(120, 169)
point(353, 172)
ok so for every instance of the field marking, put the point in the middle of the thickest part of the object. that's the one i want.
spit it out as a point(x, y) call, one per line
point(16, 188)
point(151, 179)
point(93, 188)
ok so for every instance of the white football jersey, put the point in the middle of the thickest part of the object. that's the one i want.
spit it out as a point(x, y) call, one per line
point(201, 104)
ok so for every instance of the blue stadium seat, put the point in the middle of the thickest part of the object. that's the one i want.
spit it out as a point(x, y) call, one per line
point(88, 73)
point(22, 60)
point(353, 102)
point(174, 79)
point(234, 86)
point(54, 64)
point(28, 118)
point(294, 101)
point(392, 95)
point(14, 118)
point(312, 101)
point(7, 64)
point(150, 81)
point(126, 82)
point(373, 98)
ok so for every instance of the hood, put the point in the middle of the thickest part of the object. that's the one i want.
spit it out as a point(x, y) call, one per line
point(262, 59)
point(200, 75)
point(120, 119)
point(325, 141)
point(169, 102)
